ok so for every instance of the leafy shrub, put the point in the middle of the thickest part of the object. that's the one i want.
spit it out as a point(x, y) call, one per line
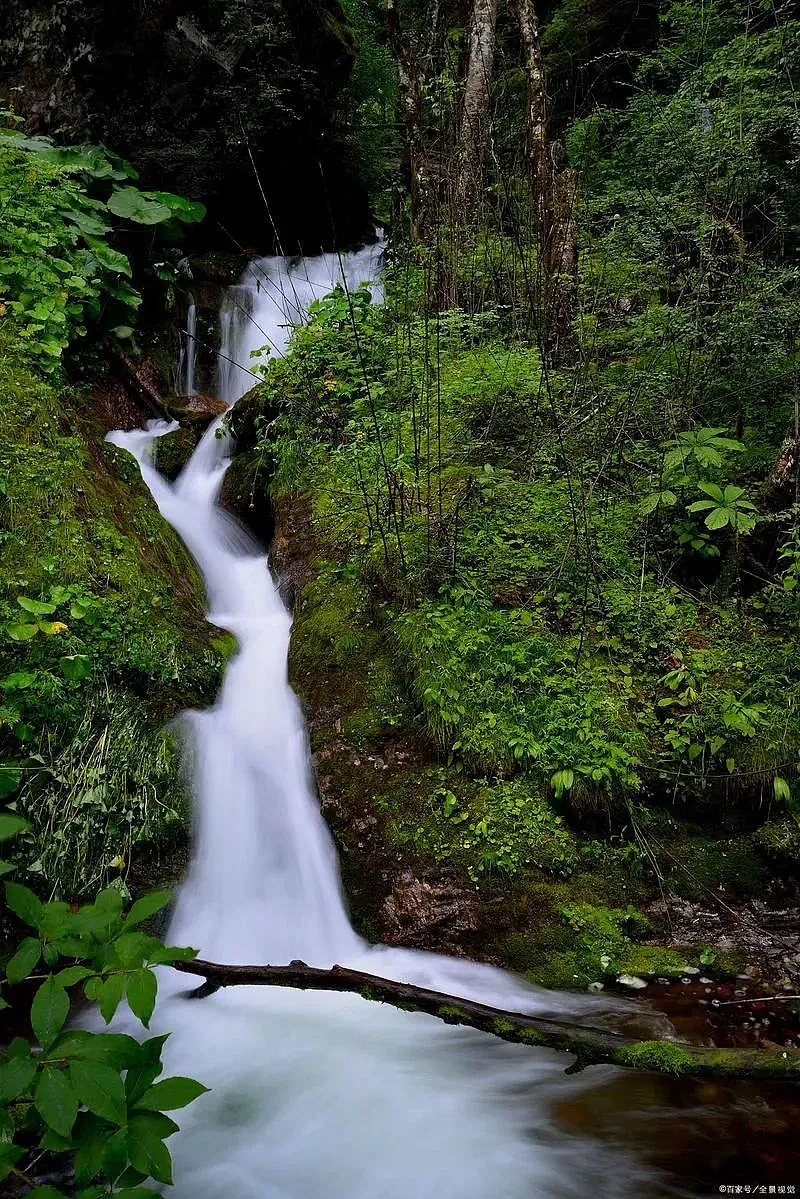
point(90, 1101)
point(59, 269)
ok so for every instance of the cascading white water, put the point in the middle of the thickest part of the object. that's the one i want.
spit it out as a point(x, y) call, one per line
point(316, 1095)
point(186, 372)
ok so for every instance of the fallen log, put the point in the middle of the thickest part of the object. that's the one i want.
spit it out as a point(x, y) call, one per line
point(591, 1046)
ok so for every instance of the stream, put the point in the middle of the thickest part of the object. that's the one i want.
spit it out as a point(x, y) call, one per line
point(324, 1095)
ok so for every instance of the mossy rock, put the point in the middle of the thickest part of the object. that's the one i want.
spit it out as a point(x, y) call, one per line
point(244, 493)
point(780, 839)
point(172, 452)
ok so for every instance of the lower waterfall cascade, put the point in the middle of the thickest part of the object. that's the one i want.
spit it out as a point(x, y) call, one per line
point(322, 1095)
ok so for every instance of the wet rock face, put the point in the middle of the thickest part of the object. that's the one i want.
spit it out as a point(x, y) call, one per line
point(244, 494)
point(196, 411)
point(421, 913)
point(187, 89)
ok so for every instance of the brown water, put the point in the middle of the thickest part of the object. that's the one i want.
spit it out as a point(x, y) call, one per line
point(703, 1135)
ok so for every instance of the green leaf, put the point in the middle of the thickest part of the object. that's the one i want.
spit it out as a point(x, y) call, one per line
point(715, 492)
point(22, 632)
point(117, 1050)
point(110, 996)
point(171, 1093)
point(90, 1137)
point(135, 1193)
point(115, 1154)
point(72, 975)
point(9, 1156)
point(141, 990)
point(782, 789)
point(718, 518)
point(35, 606)
point(134, 205)
point(10, 780)
point(112, 260)
point(24, 903)
point(184, 210)
point(101, 1089)
point(16, 1077)
point(24, 960)
point(562, 781)
point(75, 667)
point(49, 1010)
point(10, 824)
point(147, 906)
point(147, 1151)
point(46, 1192)
point(55, 1100)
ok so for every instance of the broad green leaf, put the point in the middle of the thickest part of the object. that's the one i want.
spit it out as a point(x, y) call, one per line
point(22, 632)
point(90, 1137)
point(101, 1089)
point(147, 906)
point(135, 1193)
point(112, 260)
point(24, 903)
point(49, 1010)
point(115, 1155)
point(9, 1156)
point(10, 824)
point(781, 788)
point(46, 1192)
point(55, 1100)
point(110, 996)
point(129, 202)
point(171, 1093)
point(16, 1077)
point(10, 780)
point(86, 223)
point(24, 960)
point(715, 492)
point(141, 990)
point(35, 606)
point(75, 667)
point(147, 1151)
point(113, 1049)
point(185, 210)
point(72, 975)
point(718, 518)
point(20, 680)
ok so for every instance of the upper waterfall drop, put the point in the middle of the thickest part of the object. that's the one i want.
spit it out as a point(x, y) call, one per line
point(320, 1095)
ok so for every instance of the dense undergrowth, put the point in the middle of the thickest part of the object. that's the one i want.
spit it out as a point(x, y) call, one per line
point(103, 639)
point(582, 573)
point(102, 636)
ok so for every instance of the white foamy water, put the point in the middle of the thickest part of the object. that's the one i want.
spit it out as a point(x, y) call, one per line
point(321, 1096)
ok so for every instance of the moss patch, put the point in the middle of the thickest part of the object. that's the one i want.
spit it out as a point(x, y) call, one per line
point(80, 534)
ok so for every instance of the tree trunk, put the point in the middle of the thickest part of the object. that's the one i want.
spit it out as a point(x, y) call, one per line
point(589, 1045)
point(473, 134)
point(554, 196)
point(410, 85)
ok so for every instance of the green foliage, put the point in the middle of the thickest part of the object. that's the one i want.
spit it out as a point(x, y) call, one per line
point(93, 1099)
point(725, 508)
point(114, 640)
point(59, 271)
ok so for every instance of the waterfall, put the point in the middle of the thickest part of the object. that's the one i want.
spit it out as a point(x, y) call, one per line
point(317, 1095)
point(186, 372)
